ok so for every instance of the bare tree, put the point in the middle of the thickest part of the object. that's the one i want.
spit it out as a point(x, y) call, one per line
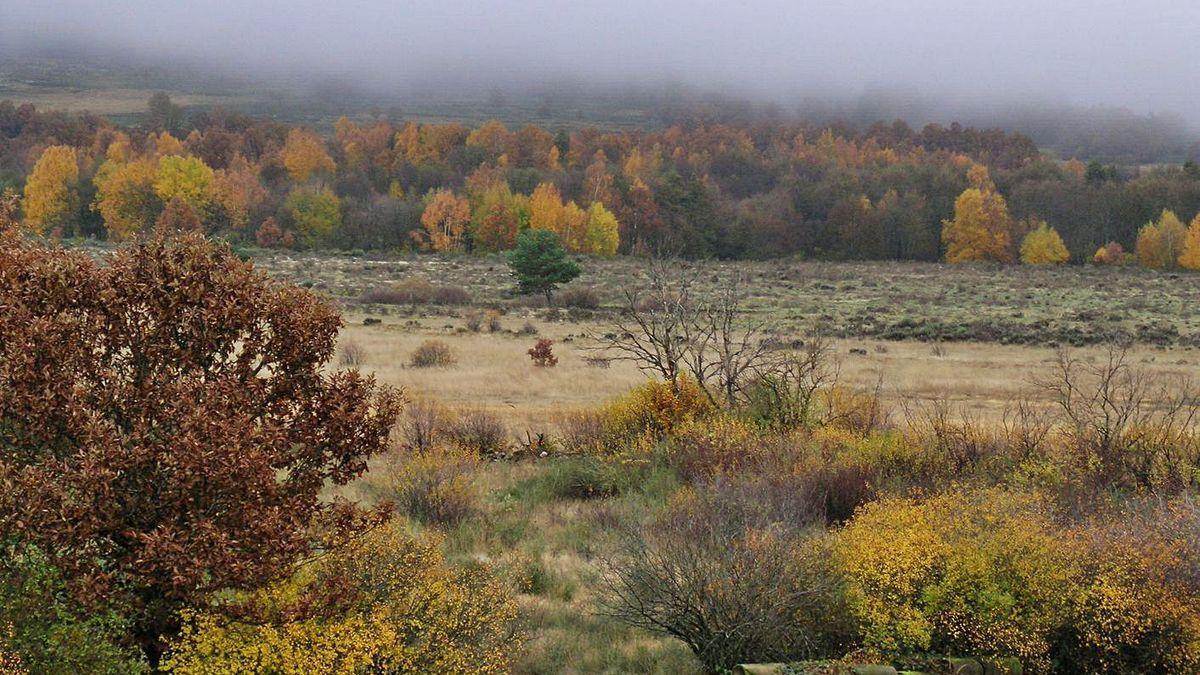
point(669, 329)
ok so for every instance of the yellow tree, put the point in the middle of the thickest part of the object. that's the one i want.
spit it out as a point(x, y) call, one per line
point(497, 218)
point(1190, 257)
point(316, 214)
point(125, 197)
point(980, 228)
point(166, 145)
point(51, 189)
point(603, 231)
point(1159, 244)
point(1043, 246)
point(572, 229)
point(546, 208)
point(304, 155)
point(445, 220)
point(186, 178)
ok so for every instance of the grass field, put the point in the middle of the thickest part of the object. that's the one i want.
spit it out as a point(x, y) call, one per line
point(547, 544)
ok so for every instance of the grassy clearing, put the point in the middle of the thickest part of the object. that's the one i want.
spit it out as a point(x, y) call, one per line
point(887, 301)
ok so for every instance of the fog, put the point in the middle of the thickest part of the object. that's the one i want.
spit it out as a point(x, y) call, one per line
point(1140, 56)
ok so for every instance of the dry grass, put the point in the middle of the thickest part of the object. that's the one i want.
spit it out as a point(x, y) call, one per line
point(494, 372)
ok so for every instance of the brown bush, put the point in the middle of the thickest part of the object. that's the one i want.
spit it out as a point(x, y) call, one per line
point(424, 425)
point(479, 432)
point(542, 353)
point(718, 573)
point(418, 292)
point(579, 297)
point(168, 424)
point(432, 354)
point(351, 354)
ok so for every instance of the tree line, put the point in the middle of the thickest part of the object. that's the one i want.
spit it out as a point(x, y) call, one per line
point(753, 190)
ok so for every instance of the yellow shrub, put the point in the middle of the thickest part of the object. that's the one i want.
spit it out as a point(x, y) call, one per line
point(986, 575)
point(387, 603)
point(718, 444)
point(651, 410)
point(434, 486)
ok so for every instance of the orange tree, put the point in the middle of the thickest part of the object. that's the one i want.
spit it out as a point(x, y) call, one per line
point(167, 425)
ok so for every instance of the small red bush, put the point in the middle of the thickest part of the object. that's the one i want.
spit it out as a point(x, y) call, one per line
point(542, 354)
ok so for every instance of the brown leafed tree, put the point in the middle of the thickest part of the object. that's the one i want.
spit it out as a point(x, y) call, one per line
point(167, 424)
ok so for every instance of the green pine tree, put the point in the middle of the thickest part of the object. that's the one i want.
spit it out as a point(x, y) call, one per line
point(540, 263)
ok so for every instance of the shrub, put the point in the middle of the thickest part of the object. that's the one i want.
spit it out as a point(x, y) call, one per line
point(1138, 608)
point(579, 297)
point(1111, 253)
point(479, 432)
point(424, 425)
point(542, 353)
point(986, 575)
point(1043, 246)
point(183, 380)
point(418, 292)
point(435, 486)
point(646, 414)
point(492, 321)
point(701, 448)
point(585, 478)
point(432, 354)
point(387, 603)
point(528, 329)
point(44, 629)
point(474, 322)
point(729, 584)
point(351, 354)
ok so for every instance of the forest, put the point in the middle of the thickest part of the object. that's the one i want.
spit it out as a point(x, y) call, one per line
point(752, 190)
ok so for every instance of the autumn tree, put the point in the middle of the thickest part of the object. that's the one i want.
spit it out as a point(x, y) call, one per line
point(603, 231)
point(1189, 258)
point(168, 426)
point(125, 197)
point(1111, 253)
point(1159, 244)
point(187, 178)
point(540, 263)
point(545, 208)
point(498, 218)
point(304, 155)
point(445, 221)
point(51, 191)
point(315, 214)
point(980, 228)
point(178, 216)
point(238, 192)
point(1043, 246)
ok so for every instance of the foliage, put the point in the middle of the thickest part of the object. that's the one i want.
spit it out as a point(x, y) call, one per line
point(386, 603)
point(1160, 244)
point(315, 214)
point(1111, 253)
point(432, 354)
point(1189, 257)
point(603, 231)
point(1043, 246)
point(304, 155)
point(435, 486)
point(49, 631)
point(416, 291)
point(980, 228)
point(126, 198)
point(981, 575)
point(542, 353)
point(187, 179)
point(51, 191)
point(540, 264)
point(166, 422)
point(445, 220)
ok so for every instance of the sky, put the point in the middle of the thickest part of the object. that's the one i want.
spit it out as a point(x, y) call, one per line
point(1142, 56)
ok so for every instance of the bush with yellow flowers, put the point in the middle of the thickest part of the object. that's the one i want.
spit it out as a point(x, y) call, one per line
point(387, 603)
point(641, 417)
point(985, 575)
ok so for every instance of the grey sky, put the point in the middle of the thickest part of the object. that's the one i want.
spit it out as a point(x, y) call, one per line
point(1144, 56)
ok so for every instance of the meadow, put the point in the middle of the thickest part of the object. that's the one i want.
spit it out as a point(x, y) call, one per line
point(546, 523)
